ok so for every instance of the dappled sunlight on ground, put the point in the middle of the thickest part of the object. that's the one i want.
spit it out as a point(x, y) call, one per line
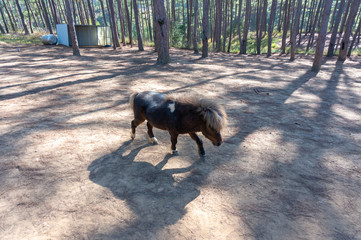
point(289, 167)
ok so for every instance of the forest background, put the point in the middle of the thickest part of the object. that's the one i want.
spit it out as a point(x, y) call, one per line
point(233, 26)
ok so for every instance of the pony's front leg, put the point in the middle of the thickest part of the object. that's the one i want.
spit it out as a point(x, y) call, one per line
point(199, 142)
point(152, 139)
point(173, 139)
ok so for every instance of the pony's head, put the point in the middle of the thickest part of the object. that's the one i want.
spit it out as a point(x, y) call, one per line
point(215, 118)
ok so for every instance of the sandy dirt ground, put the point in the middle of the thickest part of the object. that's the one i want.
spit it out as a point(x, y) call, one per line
point(290, 166)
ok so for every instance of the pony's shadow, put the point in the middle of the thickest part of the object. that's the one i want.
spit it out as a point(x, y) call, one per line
point(157, 199)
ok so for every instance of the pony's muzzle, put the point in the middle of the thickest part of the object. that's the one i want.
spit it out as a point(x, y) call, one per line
point(217, 144)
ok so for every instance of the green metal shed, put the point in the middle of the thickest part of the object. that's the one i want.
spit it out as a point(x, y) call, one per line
point(88, 35)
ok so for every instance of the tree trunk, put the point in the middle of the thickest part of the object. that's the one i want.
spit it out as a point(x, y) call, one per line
point(218, 25)
point(210, 35)
point(113, 24)
point(161, 31)
point(62, 15)
point(225, 22)
point(310, 40)
point(121, 19)
point(29, 16)
point(348, 28)
point(334, 14)
point(280, 17)
point(40, 12)
point(295, 29)
point(149, 22)
point(74, 38)
point(310, 17)
point(103, 11)
point(285, 26)
point(270, 26)
point(173, 11)
point(74, 11)
point(263, 19)
point(46, 16)
point(322, 37)
point(53, 13)
point(303, 20)
point(92, 16)
point(9, 16)
point(189, 23)
point(239, 23)
point(12, 15)
point(85, 9)
point(139, 34)
point(230, 29)
point(354, 38)
point(205, 23)
point(39, 21)
point(129, 21)
point(4, 20)
point(195, 38)
point(331, 46)
point(246, 27)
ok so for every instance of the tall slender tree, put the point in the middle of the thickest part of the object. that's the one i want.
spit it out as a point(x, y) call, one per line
point(331, 46)
point(103, 11)
point(205, 23)
point(294, 31)
point(239, 22)
point(129, 21)
point(92, 14)
point(270, 27)
point(9, 16)
point(218, 24)
point(139, 34)
point(46, 16)
point(354, 37)
point(2, 29)
point(161, 31)
point(4, 19)
point(231, 28)
point(322, 36)
point(113, 24)
point(247, 17)
point(121, 19)
point(74, 39)
point(348, 28)
point(195, 37)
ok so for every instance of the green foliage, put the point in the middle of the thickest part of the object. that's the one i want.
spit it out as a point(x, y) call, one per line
point(176, 35)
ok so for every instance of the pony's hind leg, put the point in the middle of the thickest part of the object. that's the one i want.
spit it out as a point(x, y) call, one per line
point(134, 124)
point(152, 139)
point(173, 138)
point(199, 142)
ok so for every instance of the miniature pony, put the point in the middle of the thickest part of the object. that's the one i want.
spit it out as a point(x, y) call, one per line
point(178, 114)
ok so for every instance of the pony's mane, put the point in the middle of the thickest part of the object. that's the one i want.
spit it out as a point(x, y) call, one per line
point(213, 114)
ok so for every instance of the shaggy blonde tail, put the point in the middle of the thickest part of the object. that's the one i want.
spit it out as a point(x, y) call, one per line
point(131, 99)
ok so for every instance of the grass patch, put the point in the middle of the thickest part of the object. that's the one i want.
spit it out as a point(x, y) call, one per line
point(21, 39)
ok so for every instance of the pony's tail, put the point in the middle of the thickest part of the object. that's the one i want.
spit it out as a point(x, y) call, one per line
point(131, 100)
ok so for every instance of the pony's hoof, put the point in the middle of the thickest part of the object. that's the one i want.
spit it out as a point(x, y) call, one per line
point(202, 157)
point(132, 135)
point(153, 140)
point(174, 152)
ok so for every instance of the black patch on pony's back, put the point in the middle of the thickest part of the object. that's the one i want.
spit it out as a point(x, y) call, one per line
point(213, 114)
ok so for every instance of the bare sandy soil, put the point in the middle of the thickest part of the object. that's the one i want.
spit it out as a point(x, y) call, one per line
point(290, 167)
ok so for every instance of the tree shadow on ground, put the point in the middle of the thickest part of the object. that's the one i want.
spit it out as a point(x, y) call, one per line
point(159, 201)
point(153, 195)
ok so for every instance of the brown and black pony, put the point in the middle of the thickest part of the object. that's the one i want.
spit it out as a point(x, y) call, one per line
point(178, 114)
